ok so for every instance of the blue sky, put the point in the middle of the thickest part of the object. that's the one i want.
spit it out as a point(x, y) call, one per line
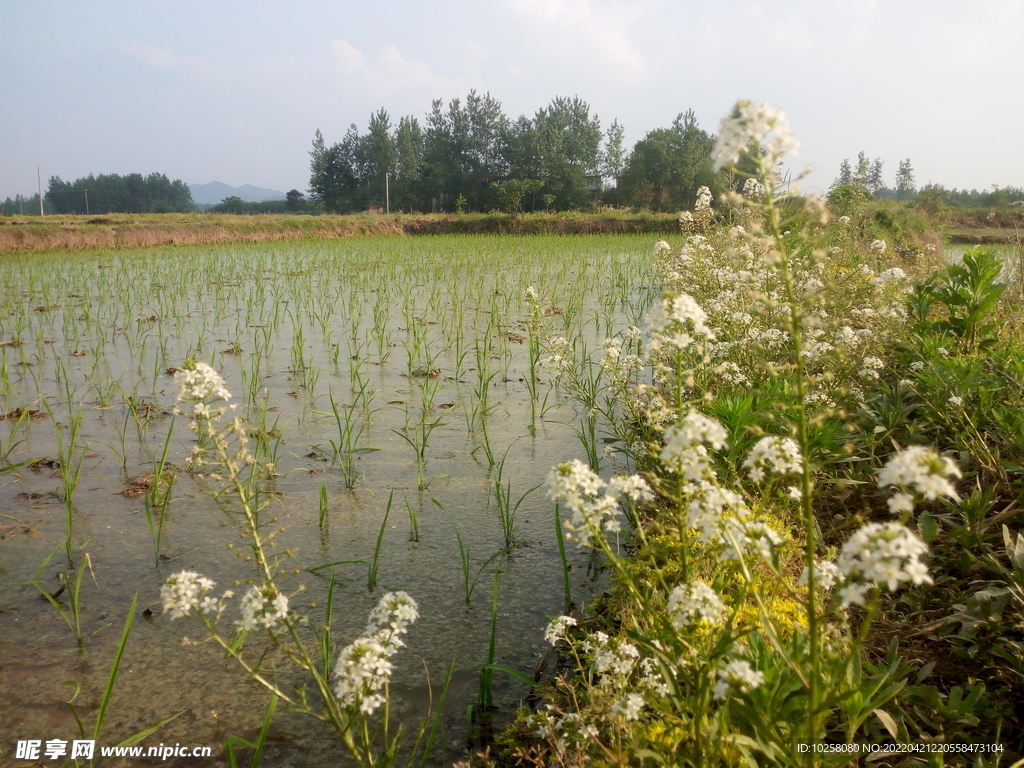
point(233, 91)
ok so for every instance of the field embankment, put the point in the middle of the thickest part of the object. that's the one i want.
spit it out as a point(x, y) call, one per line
point(22, 233)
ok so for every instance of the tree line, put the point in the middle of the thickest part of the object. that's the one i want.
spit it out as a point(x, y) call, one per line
point(868, 175)
point(470, 156)
point(112, 193)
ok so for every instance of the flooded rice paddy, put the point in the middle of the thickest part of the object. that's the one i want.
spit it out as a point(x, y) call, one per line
point(366, 370)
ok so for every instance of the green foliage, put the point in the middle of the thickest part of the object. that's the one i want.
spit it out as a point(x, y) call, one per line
point(512, 192)
point(669, 165)
point(112, 193)
point(968, 293)
point(471, 149)
point(848, 199)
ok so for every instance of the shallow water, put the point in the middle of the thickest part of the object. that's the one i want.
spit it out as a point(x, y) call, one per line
point(288, 325)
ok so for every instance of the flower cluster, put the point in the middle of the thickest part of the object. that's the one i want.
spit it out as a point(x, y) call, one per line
point(738, 675)
point(556, 628)
point(199, 384)
point(685, 451)
point(695, 603)
point(593, 516)
point(753, 189)
point(182, 592)
point(611, 658)
point(262, 607)
point(881, 553)
point(559, 361)
point(629, 706)
point(569, 728)
point(675, 321)
point(703, 203)
point(917, 470)
point(364, 667)
point(760, 124)
point(826, 575)
point(198, 381)
point(780, 455)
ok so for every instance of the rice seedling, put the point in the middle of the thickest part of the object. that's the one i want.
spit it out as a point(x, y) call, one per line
point(503, 500)
point(158, 496)
point(469, 579)
point(371, 577)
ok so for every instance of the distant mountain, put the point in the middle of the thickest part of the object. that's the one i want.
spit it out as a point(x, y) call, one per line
point(215, 191)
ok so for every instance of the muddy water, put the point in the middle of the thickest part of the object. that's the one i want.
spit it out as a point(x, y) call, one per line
point(92, 336)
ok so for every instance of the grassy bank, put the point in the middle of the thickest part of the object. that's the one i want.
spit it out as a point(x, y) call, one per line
point(31, 233)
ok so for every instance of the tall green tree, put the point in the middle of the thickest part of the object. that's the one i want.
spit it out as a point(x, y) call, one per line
point(377, 152)
point(407, 189)
point(905, 188)
point(669, 165)
point(568, 144)
point(613, 159)
point(335, 173)
point(463, 151)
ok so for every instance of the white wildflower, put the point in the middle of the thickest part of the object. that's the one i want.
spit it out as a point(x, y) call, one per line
point(882, 553)
point(685, 452)
point(695, 603)
point(199, 381)
point(661, 247)
point(182, 592)
point(901, 502)
point(262, 607)
point(753, 189)
point(703, 200)
point(571, 479)
point(922, 470)
point(681, 309)
point(826, 575)
point(955, 400)
point(556, 628)
point(629, 706)
point(780, 455)
point(611, 658)
point(738, 675)
point(632, 487)
point(869, 367)
point(364, 666)
point(889, 275)
point(878, 246)
point(760, 124)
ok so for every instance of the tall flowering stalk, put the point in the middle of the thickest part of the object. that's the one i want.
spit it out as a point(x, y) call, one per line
point(761, 132)
point(356, 690)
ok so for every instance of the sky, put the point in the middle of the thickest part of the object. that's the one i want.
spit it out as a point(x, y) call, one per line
point(234, 91)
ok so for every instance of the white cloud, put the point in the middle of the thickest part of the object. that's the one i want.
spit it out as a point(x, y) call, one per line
point(389, 71)
point(347, 58)
point(166, 59)
point(592, 30)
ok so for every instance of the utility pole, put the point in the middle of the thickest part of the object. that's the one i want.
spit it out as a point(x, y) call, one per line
point(39, 178)
point(387, 193)
point(86, 201)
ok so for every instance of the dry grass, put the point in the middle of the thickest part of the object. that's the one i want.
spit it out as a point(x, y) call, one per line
point(31, 233)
